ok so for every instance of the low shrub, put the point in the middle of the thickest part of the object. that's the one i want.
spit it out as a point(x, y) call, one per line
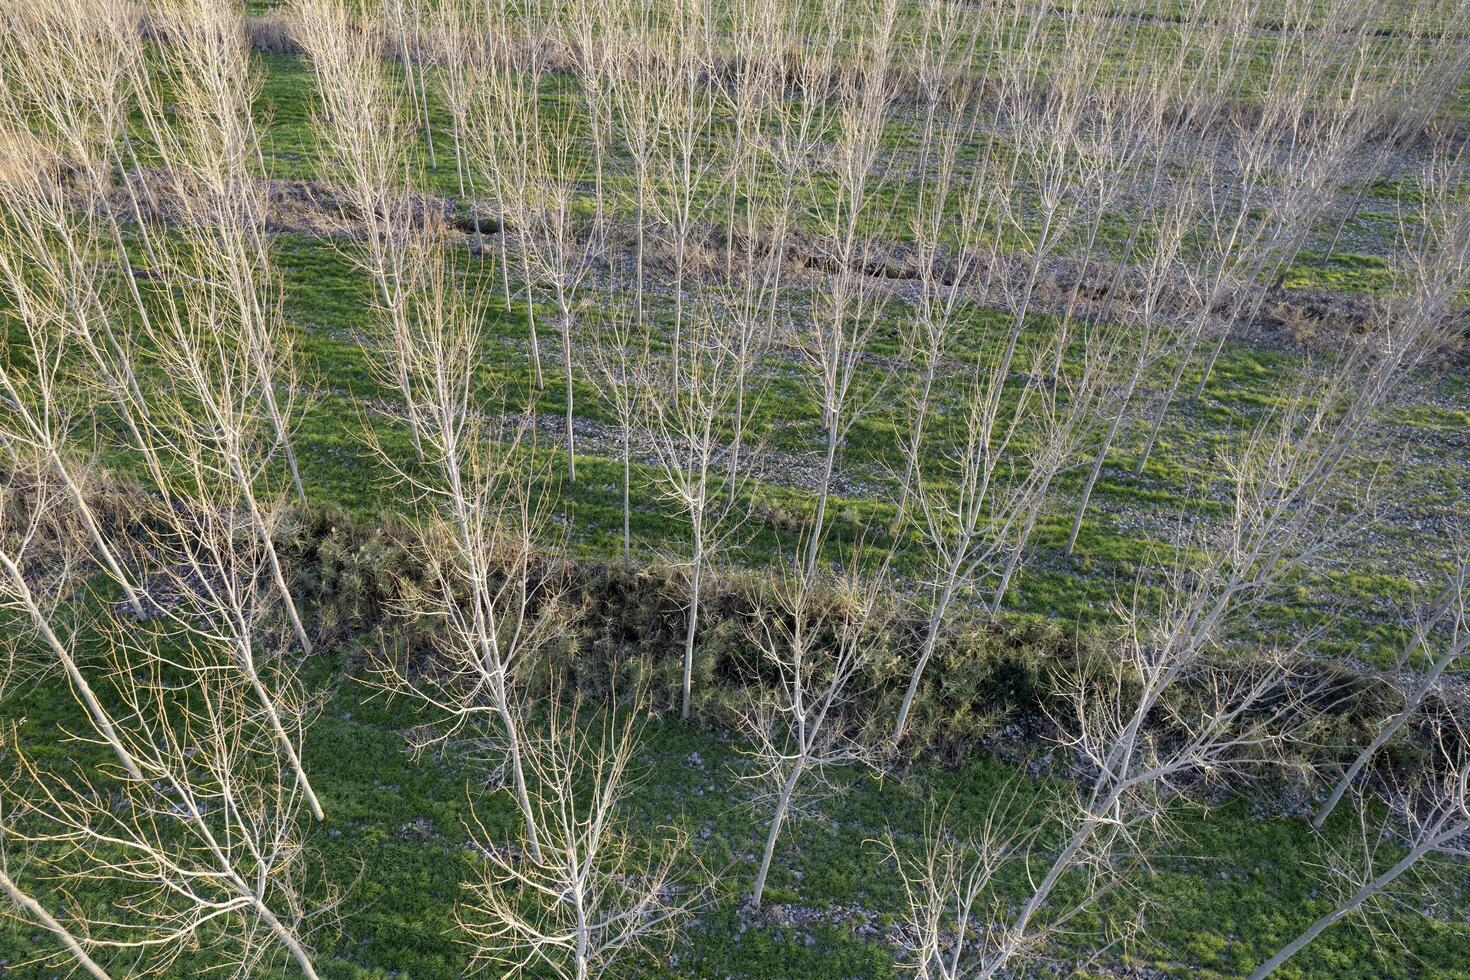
point(626, 625)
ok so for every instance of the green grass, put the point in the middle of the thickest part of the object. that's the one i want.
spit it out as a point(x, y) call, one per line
point(287, 104)
point(1130, 527)
point(1237, 883)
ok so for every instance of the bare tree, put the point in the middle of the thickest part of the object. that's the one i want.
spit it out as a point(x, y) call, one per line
point(69, 87)
point(977, 510)
point(619, 356)
point(212, 159)
point(480, 520)
point(954, 208)
point(681, 158)
point(492, 67)
point(801, 102)
point(637, 100)
point(205, 844)
point(1451, 605)
point(364, 134)
point(220, 341)
point(212, 424)
point(979, 517)
point(684, 405)
point(592, 36)
point(847, 310)
point(1059, 162)
point(1436, 815)
point(817, 641)
point(1131, 774)
point(559, 246)
point(950, 886)
point(402, 21)
point(205, 832)
point(530, 154)
point(749, 94)
point(596, 890)
point(1408, 93)
point(211, 528)
point(1151, 320)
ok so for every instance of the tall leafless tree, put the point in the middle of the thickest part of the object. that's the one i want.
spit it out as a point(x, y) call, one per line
point(1450, 606)
point(684, 406)
point(595, 891)
point(816, 641)
point(1436, 816)
point(478, 528)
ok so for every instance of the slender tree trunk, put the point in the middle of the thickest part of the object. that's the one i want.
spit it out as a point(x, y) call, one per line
point(1013, 563)
point(279, 730)
point(1350, 213)
point(583, 959)
point(783, 803)
point(1017, 930)
point(678, 347)
point(690, 623)
point(142, 225)
point(38, 913)
point(1158, 422)
point(566, 355)
point(531, 321)
point(1278, 276)
point(740, 368)
point(916, 436)
point(814, 545)
point(277, 574)
point(1019, 326)
point(69, 665)
point(523, 795)
point(505, 260)
point(1347, 908)
point(627, 493)
point(95, 533)
point(1102, 454)
point(1388, 731)
point(390, 301)
point(931, 639)
point(1209, 369)
point(1178, 377)
point(286, 936)
point(641, 178)
point(418, 93)
point(283, 437)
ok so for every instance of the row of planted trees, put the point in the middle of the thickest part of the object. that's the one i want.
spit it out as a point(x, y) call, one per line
point(704, 200)
point(693, 199)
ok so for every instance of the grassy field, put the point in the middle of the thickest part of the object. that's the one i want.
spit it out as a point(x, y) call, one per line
point(330, 302)
point(288, 103)
point(1238, 876)
point(1215, 903)
point(1388, 566)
